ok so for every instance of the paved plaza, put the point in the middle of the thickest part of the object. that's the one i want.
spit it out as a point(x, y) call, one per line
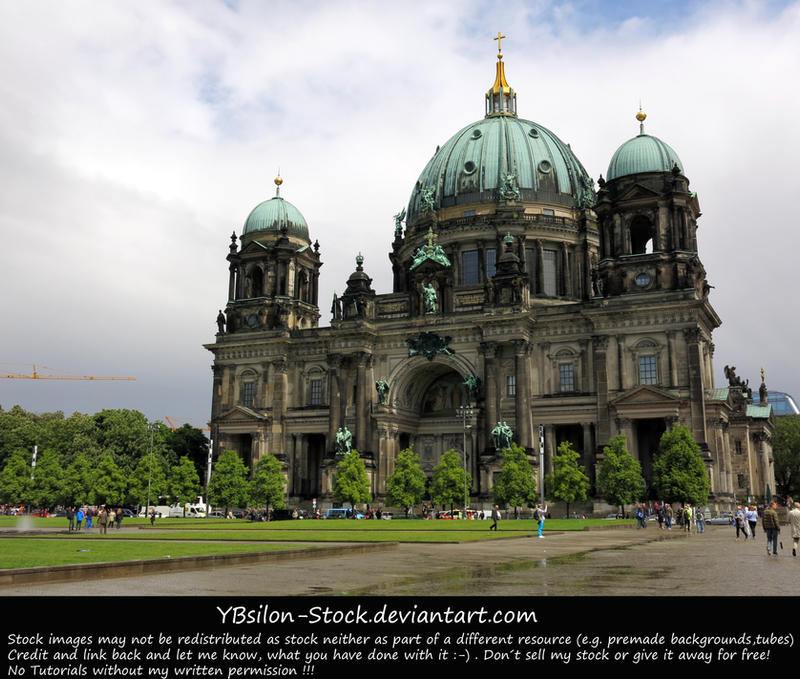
point(620, 561)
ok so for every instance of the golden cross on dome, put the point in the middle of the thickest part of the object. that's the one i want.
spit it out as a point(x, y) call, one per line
point(499, 37)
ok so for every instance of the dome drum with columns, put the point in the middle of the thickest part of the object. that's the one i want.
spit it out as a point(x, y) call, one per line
point(518, 293)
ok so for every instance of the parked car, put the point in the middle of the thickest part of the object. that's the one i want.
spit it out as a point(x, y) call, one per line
point(614, 516)
point(342, 513)
point(216, 514)
point(722, 519)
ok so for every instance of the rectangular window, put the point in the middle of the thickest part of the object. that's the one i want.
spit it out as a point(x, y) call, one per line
point(316, 392)
point(648, 374)
point(491, 261)
point(548, 212)
point(511, 385)
point(248, 393)
point(470, 273)
point(549, 273)
point(738, 447)
point(566, 376)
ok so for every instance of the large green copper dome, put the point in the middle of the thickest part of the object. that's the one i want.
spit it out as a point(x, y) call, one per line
point(501, 157)
point(643, 153)
point(472, 165)
point(275, 214)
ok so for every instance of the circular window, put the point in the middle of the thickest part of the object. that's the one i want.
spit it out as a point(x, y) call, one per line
point(643, 279)
point(470, 167)
point(476, 134)
point(534, 133)
point(545, 166)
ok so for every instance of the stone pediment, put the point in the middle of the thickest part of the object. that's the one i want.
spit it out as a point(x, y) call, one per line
point(644, 395)
point(637, 191)
point(239, 414)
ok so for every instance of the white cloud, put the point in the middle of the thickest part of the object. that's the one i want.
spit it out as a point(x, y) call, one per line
point(134, 137)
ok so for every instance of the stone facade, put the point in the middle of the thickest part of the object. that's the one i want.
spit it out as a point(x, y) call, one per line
point(586, 314)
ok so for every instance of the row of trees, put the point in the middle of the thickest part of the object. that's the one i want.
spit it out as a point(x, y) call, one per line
point(82, 483)
point(679, 475)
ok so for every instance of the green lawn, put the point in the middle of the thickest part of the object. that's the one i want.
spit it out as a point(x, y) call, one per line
point(28, 552)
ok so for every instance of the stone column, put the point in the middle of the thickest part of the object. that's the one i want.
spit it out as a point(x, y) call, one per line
point(216, 390)
point(279, 405)
point(522, 402)
point(625, 426)
point(362, 402)
point(600, 346)
point(588, 457)
point(696, 386)
point(550, 447)
point(334, 400)
point(489, 350)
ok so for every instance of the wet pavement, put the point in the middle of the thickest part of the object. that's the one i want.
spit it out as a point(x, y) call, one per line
point(620, 561)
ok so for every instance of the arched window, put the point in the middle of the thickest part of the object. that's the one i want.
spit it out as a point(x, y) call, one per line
point(257, 277)
point(641, 236)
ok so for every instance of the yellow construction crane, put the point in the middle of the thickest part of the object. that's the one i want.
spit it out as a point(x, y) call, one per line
point(64, 376)
point(173, 426)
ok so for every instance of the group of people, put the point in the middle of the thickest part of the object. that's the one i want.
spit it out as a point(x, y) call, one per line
point(746, 519)
point(771, 525)
point(105, 517)
point(540, 514)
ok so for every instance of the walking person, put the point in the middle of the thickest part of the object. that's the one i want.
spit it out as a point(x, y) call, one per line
point(668, 514)
point(78, 519)
point(794, 522)
point(102, 519)
point(751, 516)
point(119, 517)
point(739, 520)
point(769, 522)
point(495, 518)
point(89, 517)
point(700, 520)
point(540, 514)
point(71, 518)
point(112, 517)
point(687, 518)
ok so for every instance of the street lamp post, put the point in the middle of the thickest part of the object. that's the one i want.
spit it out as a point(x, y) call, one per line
point(465, 411)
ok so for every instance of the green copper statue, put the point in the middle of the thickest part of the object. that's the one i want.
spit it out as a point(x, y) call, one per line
point(502, 435)
point(431, 297)
point(382, 387)
point(344, 440)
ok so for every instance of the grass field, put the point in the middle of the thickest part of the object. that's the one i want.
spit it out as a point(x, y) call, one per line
point(182, 537)
point(28, 552)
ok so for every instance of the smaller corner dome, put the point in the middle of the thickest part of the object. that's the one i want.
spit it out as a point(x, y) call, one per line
point(643, 153)
point(275, 214)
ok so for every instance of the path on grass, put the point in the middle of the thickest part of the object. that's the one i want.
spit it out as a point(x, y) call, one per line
point(611, 562)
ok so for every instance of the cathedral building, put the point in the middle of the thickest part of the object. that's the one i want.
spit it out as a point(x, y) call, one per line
point(522, 298)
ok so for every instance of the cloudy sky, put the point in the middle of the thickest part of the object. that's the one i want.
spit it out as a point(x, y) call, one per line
point(136, 136)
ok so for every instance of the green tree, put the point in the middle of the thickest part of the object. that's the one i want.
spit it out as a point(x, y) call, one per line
point(449, 480)
point(228, 487)
point(515, 485)
point(150, 474)
point(619, 476)
point(268, 484)
point(679, 474)
point(15, 480)
point(184, 484)
point(568, 482)
point(351, 483)
point(188, 441)
point(405, 486)
point(48, 479)
point(78, 485)
point(786, 454)
point(110, 484)
point(124, 434)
